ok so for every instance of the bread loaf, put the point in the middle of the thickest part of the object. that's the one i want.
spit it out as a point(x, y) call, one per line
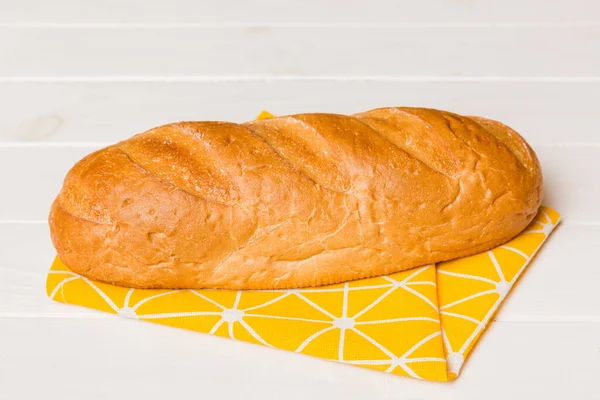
point(296, 201)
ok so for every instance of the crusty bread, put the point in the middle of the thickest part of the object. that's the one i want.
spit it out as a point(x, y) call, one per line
point(295, 201)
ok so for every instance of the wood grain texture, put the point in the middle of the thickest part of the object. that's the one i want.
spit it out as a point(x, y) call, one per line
point(100, 75)
point(137, 360)
point(84, 112)
point(273, 11)
point(284, 51)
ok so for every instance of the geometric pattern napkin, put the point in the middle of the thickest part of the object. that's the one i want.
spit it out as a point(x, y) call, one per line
point(421, 323)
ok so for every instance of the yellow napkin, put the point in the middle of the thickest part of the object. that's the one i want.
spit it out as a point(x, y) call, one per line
point(421, 323)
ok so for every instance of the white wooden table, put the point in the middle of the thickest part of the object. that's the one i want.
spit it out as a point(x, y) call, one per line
point(75, 76)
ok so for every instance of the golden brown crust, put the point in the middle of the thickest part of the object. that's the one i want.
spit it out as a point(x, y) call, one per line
point(295, 201)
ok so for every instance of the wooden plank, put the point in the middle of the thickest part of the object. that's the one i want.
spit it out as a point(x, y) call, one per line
point(543, 112)
point(569, 181)
point(311, 11)
point(131, 359)
point(31, 183)
point(27, 253)
point(560, 284)
point(542, 51)
point(32, 176)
